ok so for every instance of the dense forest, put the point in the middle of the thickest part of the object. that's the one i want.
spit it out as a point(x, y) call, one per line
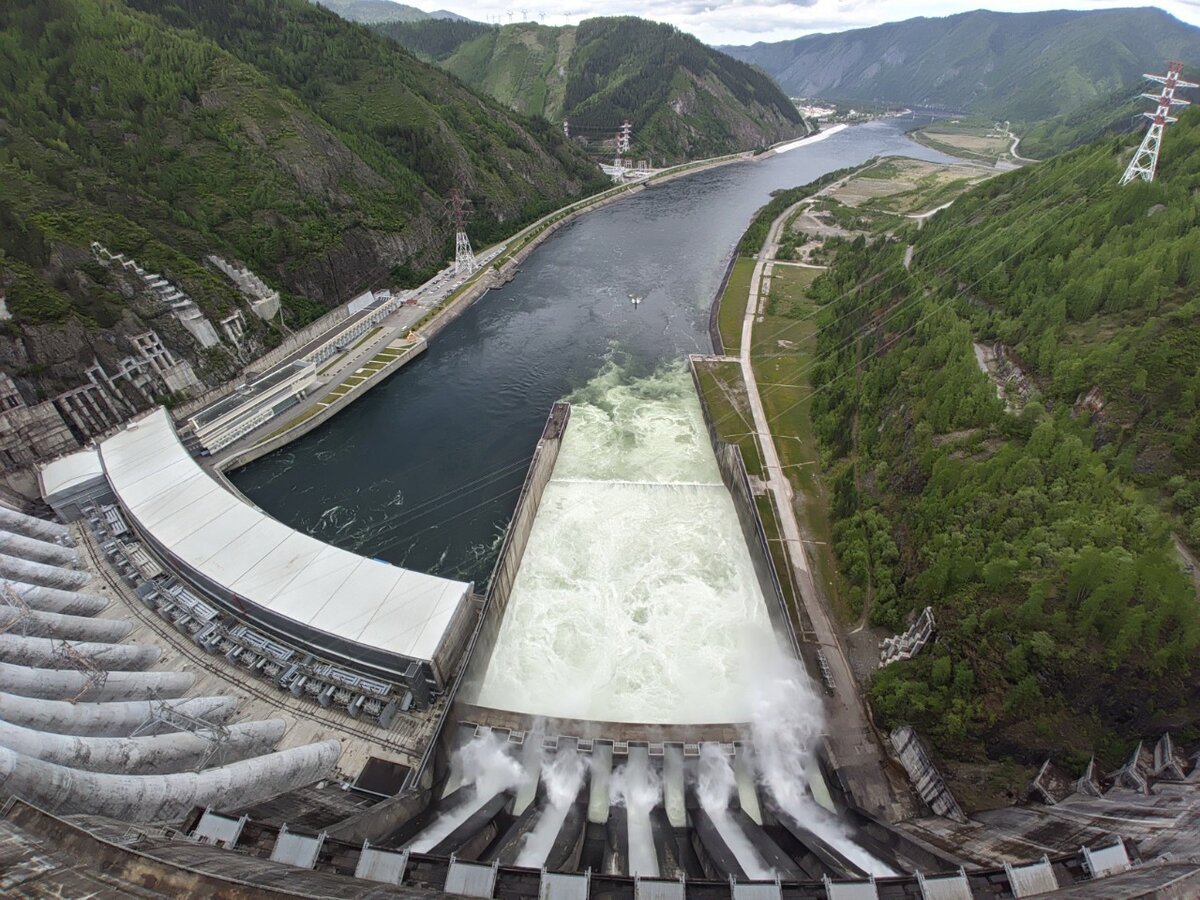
point(1040, 528)
point(684, 100)
point(434, 39)
point(267, 131)
point(1025, 67)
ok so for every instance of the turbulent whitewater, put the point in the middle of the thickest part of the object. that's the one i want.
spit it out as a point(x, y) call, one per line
point(636, 600)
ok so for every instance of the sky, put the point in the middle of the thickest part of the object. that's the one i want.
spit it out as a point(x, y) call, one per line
point(749, 21)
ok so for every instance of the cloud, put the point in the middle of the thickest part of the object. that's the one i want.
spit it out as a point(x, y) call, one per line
point(748, 21)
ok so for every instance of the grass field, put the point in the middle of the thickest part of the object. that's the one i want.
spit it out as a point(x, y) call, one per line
point(969, 141)
point(906, 186)
point(733, 304)
point(784, 342)
point(724, 396)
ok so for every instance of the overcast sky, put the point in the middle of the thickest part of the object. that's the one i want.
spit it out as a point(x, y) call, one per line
point(748, 21)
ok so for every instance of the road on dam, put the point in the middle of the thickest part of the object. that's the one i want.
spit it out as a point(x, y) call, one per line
point(424, 471)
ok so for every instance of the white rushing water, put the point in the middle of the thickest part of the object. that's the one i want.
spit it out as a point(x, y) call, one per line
point(562, 776)
point(786, 724)
point(715, 784)
point(636, 786)
point(636, 600)
point(487, 770)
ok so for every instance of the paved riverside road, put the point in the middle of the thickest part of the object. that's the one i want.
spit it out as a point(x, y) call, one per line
point(851, 743)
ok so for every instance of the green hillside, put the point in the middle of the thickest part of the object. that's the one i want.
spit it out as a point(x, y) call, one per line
point(372, 11)
point(684, 100)
point(1042, 535)
point(267, 131)
point(1019, 66)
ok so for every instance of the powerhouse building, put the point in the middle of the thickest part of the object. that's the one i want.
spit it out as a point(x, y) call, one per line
point(313, 601)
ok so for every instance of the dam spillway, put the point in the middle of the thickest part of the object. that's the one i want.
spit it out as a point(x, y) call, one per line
point(636, 599)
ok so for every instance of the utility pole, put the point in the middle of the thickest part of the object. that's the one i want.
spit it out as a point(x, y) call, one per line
point(464, 257)
point(1145, 160)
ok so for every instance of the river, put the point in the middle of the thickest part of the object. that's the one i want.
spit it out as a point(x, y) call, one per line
point(424, 470)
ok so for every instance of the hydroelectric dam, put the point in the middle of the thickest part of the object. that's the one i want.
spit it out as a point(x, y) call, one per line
point(634, 702)
point(508, 626)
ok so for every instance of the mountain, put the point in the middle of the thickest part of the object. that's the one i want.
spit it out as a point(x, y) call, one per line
point(1041, 528)
point(268, 132)
point(370, 12)
point(684, 100)
point(1019, 66)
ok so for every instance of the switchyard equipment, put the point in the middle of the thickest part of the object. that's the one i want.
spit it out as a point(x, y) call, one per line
point(1145, 160)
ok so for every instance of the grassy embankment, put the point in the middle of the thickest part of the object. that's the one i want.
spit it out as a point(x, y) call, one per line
point(784, 342)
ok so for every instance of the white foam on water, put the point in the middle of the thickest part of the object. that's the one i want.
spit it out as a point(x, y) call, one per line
point(786, 724)
point(636, 786)
point(562, 776)
point(715, 784)
point(487, 770)
point(636, 600)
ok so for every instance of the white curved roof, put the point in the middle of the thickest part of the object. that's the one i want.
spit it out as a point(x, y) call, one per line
point(70, 471)
point(257, 558)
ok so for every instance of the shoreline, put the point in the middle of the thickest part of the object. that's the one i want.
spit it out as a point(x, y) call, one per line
point(503, 270)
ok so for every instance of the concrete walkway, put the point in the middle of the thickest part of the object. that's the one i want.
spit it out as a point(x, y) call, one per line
point(850, 741)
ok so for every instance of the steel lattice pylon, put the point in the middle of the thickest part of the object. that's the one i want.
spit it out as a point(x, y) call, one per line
point(464, 257)
point(1145, 161)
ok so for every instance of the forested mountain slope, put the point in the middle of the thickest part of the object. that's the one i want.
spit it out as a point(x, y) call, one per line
point(1019, 66)
point(1042, 535)
point(684, 100)
point(372, 11)
point(266, 131)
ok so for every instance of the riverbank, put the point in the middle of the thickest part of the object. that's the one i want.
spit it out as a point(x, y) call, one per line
point(504, 262)
point(784, 474)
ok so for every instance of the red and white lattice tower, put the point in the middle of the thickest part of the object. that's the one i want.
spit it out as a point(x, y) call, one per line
point(1146, 159)
point(464, 257)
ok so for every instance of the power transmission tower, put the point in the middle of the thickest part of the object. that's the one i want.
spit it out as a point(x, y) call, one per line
point(464, 257)
point(1145, 160)
point(624, 138)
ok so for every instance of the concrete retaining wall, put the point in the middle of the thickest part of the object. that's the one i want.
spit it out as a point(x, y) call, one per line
point(245, 457)
point(733, 473)
point(737, 481)
point(541, 467)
